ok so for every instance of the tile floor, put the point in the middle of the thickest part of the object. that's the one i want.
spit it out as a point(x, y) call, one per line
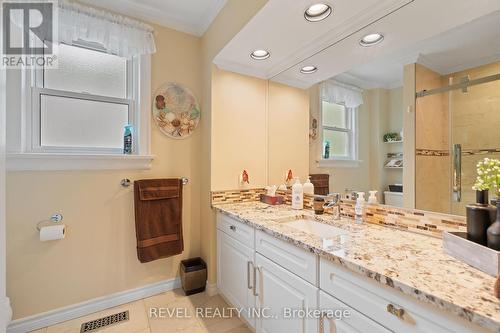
point(141, 322)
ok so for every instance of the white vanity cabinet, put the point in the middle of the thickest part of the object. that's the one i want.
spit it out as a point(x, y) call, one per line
point(392, 309)
point(249, 280)
point(279, 293)
point(264, 274)
point(235, 273)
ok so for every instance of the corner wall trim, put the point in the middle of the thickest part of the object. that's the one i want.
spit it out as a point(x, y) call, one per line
point(212, 289)
point(56, 316)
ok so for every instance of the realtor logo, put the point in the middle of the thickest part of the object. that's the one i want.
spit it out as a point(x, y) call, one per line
point(28, 33)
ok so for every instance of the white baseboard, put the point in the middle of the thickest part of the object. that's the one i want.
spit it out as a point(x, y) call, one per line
point(5, 313)
point(211, 289)
point(53, 317)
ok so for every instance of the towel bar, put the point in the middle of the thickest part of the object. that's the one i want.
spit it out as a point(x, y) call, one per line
point(127, 182)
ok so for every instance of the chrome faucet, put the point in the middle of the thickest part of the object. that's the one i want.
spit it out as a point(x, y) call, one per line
point(333, 201)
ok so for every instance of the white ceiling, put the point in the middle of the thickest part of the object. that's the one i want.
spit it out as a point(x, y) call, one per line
point(332, 45)
point(470, 45)
point(280, 28)
point(190, 16)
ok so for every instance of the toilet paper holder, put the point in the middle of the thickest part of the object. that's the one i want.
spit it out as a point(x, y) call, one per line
point(56, 218)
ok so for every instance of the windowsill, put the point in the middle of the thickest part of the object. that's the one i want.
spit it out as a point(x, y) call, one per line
point(64, 161)
point(338, 163)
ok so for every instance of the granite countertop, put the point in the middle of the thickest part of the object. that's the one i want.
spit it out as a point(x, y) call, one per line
point(414, 264)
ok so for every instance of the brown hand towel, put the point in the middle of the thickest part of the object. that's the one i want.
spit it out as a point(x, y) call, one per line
point(158, 218)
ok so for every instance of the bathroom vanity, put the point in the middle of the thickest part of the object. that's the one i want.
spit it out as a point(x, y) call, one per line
point(272, 260)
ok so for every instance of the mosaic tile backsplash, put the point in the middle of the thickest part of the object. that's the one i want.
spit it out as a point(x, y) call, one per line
point(427, 223)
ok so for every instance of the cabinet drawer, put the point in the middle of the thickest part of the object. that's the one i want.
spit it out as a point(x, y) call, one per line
point(381, 303)
point(353, 321)
point(296, 260)
point(236, 229)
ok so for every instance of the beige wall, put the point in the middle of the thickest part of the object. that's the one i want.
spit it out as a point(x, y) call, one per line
point(288, 134)
point(234, 15)
point(409, 135)
point(239, 129)
point(257, 126)
point(432, 173)
point(98, 256)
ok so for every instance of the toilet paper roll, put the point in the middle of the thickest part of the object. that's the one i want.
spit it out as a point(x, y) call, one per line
point(52, 232)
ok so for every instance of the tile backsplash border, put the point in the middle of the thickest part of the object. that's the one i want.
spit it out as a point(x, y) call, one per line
point(414, 220)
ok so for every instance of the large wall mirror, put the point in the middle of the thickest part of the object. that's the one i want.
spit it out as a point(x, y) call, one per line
point(358, 119)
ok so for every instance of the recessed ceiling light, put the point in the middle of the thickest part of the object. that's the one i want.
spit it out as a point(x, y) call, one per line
point(308, 69)
point(260, 54)
point(317, 12)
point(371, 39)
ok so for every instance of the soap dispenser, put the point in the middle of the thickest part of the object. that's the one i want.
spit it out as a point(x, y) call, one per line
point(308, 186)
point(360, 205)
point(297, 194)
point(372, 199)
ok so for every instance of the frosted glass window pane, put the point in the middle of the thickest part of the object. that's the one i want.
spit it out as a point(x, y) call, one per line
point(83, 70)
point(338, 142)
point(334, 115)
point(72, 122)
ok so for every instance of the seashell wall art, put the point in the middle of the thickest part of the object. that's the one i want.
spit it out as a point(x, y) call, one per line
point(175, 110)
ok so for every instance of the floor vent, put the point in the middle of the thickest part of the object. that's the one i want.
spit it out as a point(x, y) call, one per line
point(94, 325)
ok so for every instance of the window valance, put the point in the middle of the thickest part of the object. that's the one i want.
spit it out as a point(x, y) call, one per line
point(117, 34)
point(340, 93)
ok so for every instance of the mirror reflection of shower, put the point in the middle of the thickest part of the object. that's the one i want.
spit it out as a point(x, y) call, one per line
point(457, 125)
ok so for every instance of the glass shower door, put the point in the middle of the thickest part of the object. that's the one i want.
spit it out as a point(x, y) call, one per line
point(455, 129)
point(475, 127)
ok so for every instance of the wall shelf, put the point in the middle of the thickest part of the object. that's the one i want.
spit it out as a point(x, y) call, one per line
point(400, 141)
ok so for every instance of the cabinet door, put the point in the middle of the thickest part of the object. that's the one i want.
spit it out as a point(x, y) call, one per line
point(279, 293)
point(235, 273)
point(339, 318)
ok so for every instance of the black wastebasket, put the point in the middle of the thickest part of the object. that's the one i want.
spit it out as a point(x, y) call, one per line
point(193, 275)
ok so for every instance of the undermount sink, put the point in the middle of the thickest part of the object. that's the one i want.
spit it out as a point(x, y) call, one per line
point(316, 228)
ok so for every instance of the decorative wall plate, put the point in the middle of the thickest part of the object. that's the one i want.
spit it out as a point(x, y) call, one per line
point(175, 110)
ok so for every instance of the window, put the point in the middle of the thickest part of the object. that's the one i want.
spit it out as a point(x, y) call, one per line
point(338, 132)
point(84, 104)
point(74, 117)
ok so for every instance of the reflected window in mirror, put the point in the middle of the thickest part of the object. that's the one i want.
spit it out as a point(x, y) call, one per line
point(338, 132)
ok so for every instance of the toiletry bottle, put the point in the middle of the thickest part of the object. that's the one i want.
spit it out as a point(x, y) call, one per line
point(326, 152)
point(297, 194)
point(372, 199)
point(127, 140)
point(308, 187)
point(360, 205)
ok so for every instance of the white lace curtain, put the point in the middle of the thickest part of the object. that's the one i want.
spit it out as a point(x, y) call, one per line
point(336, 92)
point(117, 34)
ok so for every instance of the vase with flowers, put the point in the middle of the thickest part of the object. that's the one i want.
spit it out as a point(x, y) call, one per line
point(481, 214)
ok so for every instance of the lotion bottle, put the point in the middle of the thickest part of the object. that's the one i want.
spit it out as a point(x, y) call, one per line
point(372, 199)
point(308, 187)
point(297, 194)
point(360, 205)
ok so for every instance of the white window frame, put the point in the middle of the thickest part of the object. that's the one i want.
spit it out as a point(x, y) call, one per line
point(26, 152)
point(351, 129)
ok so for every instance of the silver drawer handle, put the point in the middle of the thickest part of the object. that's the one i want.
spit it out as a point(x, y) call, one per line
point(398, 312)
point(255, 269)
point(232, 227)
point(249, 263)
